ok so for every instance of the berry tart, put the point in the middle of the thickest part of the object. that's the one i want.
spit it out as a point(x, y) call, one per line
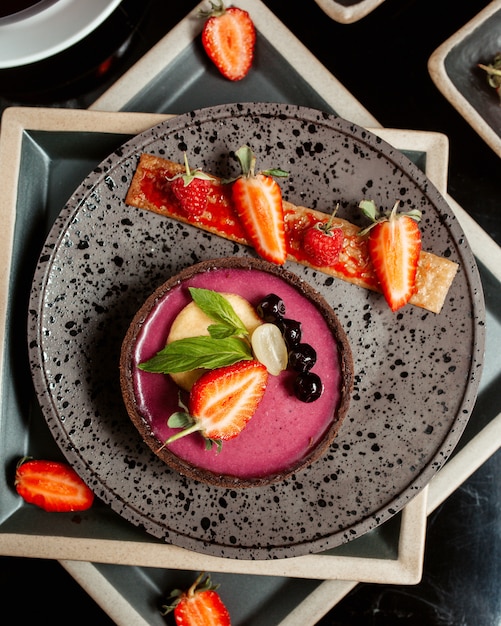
point(236, 373)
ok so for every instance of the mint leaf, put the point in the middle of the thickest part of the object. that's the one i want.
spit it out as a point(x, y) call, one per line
point(191, 353)
point(220, 331)
point(217, 307)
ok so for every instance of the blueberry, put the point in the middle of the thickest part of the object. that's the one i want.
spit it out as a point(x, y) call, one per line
point(308, 387)
point(302, 357)
point(271, 308)
point(291, 331)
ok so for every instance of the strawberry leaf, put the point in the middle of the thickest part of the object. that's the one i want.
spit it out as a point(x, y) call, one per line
point(189, 425)
point(192, 353)
point(189, 175)
point(276, 172)
point(369, 209)
point(209, 443)
point(180, 419)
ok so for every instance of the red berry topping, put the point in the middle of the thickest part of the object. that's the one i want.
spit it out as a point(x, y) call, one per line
point(191, 190)
point(323, 242)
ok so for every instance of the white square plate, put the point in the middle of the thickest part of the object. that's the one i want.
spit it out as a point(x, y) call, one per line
point(348, 11)
point(453, 67)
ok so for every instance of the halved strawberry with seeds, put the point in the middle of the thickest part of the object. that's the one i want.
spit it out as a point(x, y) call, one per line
point(394, 248)
point(191, 190)
point(200, 605)
point(52, 485)
point(221, 402)
point(322, 242)
point(228, 37)
point(257, 200)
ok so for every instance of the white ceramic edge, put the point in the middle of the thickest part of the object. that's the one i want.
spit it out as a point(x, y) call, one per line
point(104, 593)
point(409, 562)
point(308, 611)
point(436, 69)
point(348, 14)
point(10, 152)
point(115, 605)
point(71, 19)
point(168, 48)
point(435, 144)
point(330, 592)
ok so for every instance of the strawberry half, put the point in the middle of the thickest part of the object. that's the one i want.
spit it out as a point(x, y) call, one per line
point(200, 605)
point(51, 485)
point(222, 401)
point(257, 199)
point(191, 190)
point(394, 248)
point(322, 243)
point(228, 37)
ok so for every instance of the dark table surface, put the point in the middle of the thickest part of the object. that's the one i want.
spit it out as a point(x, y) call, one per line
point(382, 60)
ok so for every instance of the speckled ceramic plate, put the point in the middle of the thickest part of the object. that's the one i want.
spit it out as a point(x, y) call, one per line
point(417, 373)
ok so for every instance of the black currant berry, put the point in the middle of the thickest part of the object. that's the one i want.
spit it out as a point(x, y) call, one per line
point(291, 331)
point(302, 357)
point(308, 387)
point(271, 308)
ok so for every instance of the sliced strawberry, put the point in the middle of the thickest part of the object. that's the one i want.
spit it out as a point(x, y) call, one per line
point(200, 605)
point(191, 190)
point(228, 37)
point(222, 401)
point(322, 243)
point(51, 485)
point(258, 203)
point(394, 248)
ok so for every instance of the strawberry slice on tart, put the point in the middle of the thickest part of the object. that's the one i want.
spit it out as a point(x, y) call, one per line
point(221, 402)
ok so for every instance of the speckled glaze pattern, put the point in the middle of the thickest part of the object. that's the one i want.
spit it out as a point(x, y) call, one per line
point(416, 373)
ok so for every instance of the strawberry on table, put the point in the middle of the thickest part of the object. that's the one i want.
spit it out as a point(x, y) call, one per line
point(191, 190)
point(258, 203)
point(322, 242)
point(221, 402)
point(394, 248)
point(52, 486)
point(228, 37)
point(200, 605)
